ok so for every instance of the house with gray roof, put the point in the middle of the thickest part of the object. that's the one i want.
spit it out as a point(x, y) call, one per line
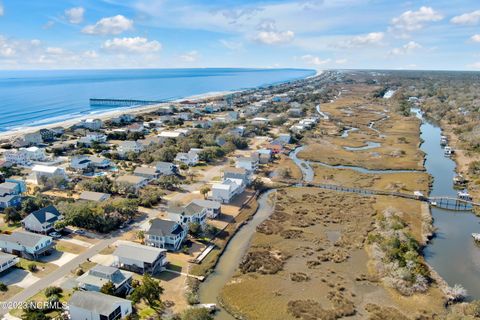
point(165, 234)
point(9, 200)
point(7, 261)
point(139, 258)
point(95, 278)
point(191, 213)
point(212, 207)
point(166, 168)
point(26, 244)
point(94, 196)
point(43, 220)
point(91, 305)
point(149, 173)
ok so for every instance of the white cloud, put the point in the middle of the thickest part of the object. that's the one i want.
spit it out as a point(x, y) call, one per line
point(269, 34)
point(132, 45)
point(475, 65)
point(75, 15)
point(475, 38)
point(231, 45)
point(341, 61)
point(415, 20)
point(55, 50)
point(2, 10)
point(314, 60)
point(92, 54)
point(191, 56)
point(471, 18)
point(406, 48)
point(111, 25)
point(372, 38)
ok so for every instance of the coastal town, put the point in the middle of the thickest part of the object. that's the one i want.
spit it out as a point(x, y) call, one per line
point(216, 205)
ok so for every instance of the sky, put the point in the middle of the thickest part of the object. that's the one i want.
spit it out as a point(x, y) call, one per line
point(316, 34)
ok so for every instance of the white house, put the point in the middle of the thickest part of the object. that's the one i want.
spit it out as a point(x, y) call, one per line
point(225, 191)
point(92, 305)
point(24, 156)
point(139, 258)
point(95, 278)
point(42, 221)
point(238, 173)
point(247, 163)
point(189, 158)
point(93, 137)
point(92, 124)
point(7, 261)
point(129, 146)
point(213, 208)
point(26, 244)
point(165, 234)
point(164, 135)
point(259, 121)
point(39, 171)
point(191, 213)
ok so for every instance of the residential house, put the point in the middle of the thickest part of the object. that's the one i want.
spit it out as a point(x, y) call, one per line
point(48, 172)
point(226, 190)
point(295, 112)
point(191, 213)
point(264, 155)
point(80, 162)
point(26, 244)
point(24, 156)
point(94, 196)
point(134, 181)
point(213, 208)
point(33, 138)
point(135, 127)
point(95, 278)
point(92, 137)
point(12, 187)
point(7, 261)
point(149, 173)
point(42, 221)
point(34, 153)
point(203, 124)
point(165, 135)
point(92, 305)
point(99, 162)
point(123, 119)
point(129, 146)
point(140, 258)
point(259, 121)
point(91, 124)
point(238, 173)
point(166, 168)
point(238, 131)
point(10, 200)
point(47, 135)
point(189, 158)
point(165, 234)
point(248, 163)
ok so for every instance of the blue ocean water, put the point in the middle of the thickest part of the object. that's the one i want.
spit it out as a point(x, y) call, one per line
point(30, 98)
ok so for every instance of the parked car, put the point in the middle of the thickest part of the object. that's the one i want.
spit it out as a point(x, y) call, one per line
point(80, 232)
point(55, 235)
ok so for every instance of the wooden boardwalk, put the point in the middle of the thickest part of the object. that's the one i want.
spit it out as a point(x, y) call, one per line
point(443, 202)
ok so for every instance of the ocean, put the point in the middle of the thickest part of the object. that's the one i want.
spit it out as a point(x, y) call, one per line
point(32, 98)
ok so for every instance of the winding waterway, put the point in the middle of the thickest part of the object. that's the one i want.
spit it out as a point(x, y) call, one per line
point(232, 256)
point(452, 253)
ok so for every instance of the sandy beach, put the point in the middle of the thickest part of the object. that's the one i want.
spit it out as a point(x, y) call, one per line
point(12, 134)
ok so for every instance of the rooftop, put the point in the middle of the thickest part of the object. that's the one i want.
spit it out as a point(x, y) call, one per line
point(97, 302)
point(138, 251)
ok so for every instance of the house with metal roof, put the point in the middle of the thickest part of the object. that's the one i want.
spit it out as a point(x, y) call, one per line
point(91, 305)
point(42, 221)
point(7, 261)
point(166, 168)
point(165, 234)
point(139, 258)
point(94, 196)
point(149, 173)
point(26, 244)
point(95, 278)
point(191, 213)
point(213, 208)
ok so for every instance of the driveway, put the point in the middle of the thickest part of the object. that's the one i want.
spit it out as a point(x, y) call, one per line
point(19, 277)
point(59, 258)
point(103, 259)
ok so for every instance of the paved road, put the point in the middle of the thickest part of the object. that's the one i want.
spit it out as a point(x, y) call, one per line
point(59, 273)
point(66, 269)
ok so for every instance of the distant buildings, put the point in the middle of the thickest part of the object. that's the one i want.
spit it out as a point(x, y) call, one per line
point(91, 124)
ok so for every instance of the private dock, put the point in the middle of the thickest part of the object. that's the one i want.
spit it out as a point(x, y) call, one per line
point(95, 102)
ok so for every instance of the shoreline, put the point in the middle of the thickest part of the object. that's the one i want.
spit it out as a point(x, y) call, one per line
point(22, 130)
point(15, 133)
